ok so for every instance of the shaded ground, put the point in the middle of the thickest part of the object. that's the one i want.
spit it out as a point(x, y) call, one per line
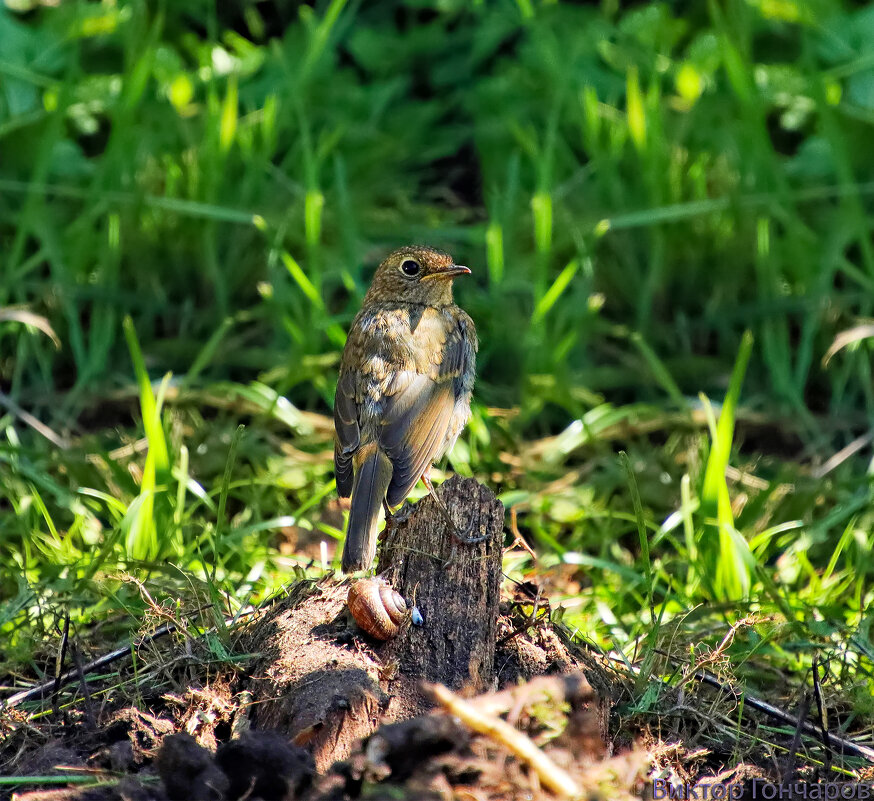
point(215, 752)
point(192, 728)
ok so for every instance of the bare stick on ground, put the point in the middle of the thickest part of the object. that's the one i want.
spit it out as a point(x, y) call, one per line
point(552, 776)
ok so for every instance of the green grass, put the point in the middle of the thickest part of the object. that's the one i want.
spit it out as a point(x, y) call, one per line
point(667, 213)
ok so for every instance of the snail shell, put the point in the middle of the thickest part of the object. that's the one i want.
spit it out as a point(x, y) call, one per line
point(377, 608)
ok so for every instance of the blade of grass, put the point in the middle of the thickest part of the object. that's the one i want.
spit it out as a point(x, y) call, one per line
point(555, 291)
point(659, 371)
point(731, 562)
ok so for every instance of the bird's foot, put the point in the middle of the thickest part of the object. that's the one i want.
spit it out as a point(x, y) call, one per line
point(465, 536)
point(402, 514)
point(392, 519)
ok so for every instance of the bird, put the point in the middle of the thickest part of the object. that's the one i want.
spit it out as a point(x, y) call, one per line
point(403, 391)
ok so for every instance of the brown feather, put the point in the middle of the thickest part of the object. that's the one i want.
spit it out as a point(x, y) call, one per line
point(404, 390)
point(372, 475)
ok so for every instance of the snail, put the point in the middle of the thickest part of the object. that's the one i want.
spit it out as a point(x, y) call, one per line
point(378, 609)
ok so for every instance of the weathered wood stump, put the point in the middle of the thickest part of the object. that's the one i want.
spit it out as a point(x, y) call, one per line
point(455, 585)
point(327, 684)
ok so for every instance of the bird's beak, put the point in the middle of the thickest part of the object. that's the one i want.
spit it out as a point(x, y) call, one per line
point(448, 272)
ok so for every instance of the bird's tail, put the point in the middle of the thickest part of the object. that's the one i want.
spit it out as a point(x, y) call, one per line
point(372, 478)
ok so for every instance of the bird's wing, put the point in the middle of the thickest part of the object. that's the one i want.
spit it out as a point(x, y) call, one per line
point(348, 434)
point(413, 429)
point(461, 349)
point(417, 413)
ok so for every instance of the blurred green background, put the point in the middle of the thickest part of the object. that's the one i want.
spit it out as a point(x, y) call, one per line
point(682, 171)
point(657, 199)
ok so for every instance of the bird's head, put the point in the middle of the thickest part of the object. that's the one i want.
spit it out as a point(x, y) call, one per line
point(415, 274)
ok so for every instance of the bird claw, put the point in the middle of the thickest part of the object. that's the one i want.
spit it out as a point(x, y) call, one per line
point(394, 519)
point(465, 537)
point(402, 514)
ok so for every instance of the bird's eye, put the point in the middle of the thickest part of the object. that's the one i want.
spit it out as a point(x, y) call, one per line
point(410, 267)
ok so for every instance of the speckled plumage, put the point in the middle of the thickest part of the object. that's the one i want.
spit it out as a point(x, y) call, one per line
point(403, 395)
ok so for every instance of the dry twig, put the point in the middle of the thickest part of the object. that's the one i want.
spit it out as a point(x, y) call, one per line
point(549, 774)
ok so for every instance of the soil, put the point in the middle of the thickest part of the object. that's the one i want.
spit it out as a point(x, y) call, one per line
point(320, 709)
point(309, 706)
point(327, 735)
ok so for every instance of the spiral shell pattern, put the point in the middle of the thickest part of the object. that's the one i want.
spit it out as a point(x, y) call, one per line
point(378, 609)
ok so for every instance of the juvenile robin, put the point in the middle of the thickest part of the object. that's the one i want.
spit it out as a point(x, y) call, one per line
point(403, 394)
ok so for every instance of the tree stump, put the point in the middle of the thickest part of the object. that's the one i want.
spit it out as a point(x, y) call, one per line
point(456, 586)
point(326, 684)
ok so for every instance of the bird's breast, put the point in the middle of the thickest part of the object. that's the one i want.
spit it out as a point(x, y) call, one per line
point(400, 338)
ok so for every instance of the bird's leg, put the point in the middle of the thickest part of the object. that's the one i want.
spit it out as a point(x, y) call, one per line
point(393, 518)
point(462, 536)
point(390, 522)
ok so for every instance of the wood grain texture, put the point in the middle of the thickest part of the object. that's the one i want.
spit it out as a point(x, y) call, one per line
point(455, 586)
